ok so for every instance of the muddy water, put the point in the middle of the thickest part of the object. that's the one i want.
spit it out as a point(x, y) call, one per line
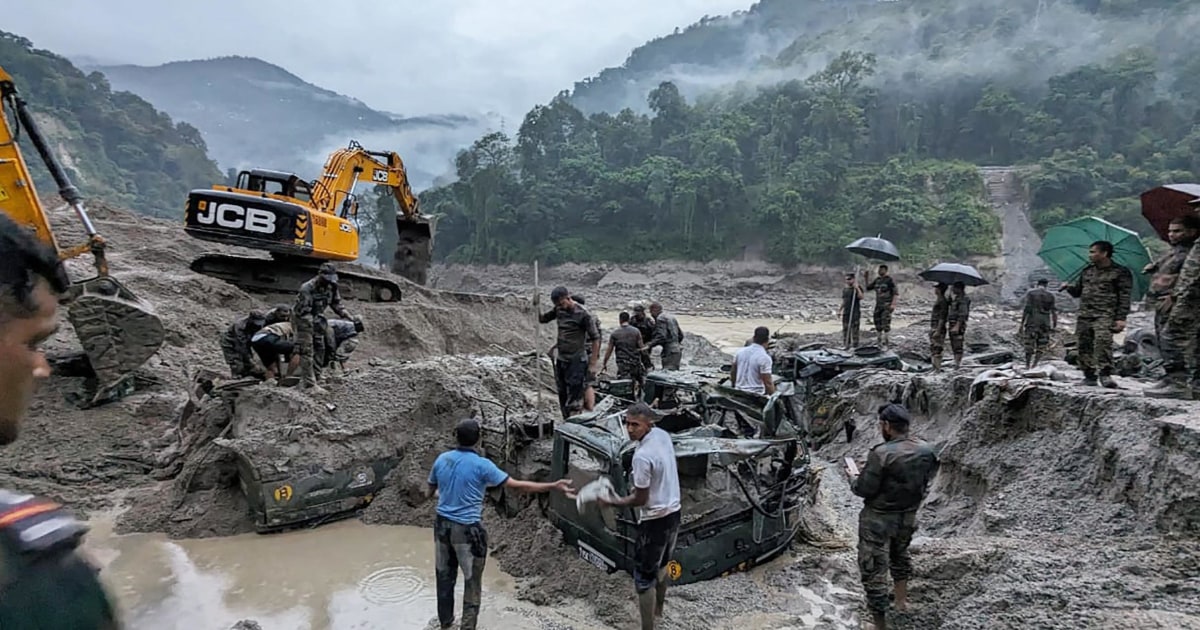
point(340, 576)
point(730, 333)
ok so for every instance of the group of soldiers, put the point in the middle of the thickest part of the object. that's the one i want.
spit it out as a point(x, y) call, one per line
point(949, 316)
point(297, 336)
point(1105, 288)
point(576, 352)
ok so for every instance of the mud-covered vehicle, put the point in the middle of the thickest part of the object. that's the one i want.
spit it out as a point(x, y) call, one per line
point(744, 478)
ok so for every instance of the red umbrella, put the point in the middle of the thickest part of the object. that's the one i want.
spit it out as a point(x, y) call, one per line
point(1161, 205)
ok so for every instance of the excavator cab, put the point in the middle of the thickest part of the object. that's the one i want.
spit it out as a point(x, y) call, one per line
point(118, 331)
point(275, 183)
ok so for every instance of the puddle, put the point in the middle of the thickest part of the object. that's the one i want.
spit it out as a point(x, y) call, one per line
point(729, 334)
point(341, 576)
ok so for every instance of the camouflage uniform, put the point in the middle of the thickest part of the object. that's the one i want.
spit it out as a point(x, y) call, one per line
point(1037, 322)
point(1104, 294)
point(341, 340)
point(937, 325)
point(577, 330)
point(308, 322)
point(959, 313)
point(626, 342)
point(885, 291)
point(1178, 346)
point(645, 325)
point(44, 583)
point(235, 343)
point(893, 484)
point(668, 335)
point(851, 317)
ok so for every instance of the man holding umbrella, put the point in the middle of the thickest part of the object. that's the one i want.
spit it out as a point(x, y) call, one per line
point(885, 302)
point(959, 312)
point(1103, 289)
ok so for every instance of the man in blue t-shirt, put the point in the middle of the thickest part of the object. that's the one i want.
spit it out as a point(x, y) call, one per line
point(460, 478)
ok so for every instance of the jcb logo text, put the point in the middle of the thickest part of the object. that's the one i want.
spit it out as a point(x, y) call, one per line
point(233, 216)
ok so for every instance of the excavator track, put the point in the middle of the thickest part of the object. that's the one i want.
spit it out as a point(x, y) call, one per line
point(285, 275)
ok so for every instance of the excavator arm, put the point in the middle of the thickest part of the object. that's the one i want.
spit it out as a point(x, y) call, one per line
point(334, 193)
point(118, 332)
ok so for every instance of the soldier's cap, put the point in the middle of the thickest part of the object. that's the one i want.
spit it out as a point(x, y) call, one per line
point(640, 308)
point(895, 414)
point(559, 293)
point(258, 316)
point(329, 272)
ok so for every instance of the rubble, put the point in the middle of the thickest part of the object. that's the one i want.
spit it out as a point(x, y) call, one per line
point(1057, 505)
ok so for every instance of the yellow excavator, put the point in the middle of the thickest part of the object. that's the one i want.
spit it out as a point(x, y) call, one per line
point(303, 224)
point(118, 331)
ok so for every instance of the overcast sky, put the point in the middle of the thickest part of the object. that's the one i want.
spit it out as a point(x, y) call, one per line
point(405, 56)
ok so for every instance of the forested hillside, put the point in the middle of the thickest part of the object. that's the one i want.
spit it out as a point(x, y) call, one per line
point(882, 137)
point(115, 145)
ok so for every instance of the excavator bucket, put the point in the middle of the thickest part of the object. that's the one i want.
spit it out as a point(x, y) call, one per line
point(414, 249)
point(118, 331)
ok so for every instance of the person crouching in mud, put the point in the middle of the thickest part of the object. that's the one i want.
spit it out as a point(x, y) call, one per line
point(459, 478)
point(893, 484)
point(656, 495)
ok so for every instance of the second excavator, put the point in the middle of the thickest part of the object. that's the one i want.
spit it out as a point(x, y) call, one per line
point(302, 224)
point(117, 330)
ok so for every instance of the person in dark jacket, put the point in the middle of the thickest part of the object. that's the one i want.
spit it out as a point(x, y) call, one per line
point(893, 483)
point(44, 582)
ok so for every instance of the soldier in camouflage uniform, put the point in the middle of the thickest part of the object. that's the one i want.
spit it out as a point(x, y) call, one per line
point(1038, 319)
point(893, 483)
point(937, 325)
point(1175, 344)
point(235, 343)
point(885, 302)
point(668, 335)
point(626, 342)
point(851, 312)
point(959, 313)
point(1103, 289)
point(44, 582)
point(645, 325)
point(308, 319)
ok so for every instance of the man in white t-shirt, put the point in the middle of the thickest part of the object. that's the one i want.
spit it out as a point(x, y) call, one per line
point(751, 371)
point(656, 495)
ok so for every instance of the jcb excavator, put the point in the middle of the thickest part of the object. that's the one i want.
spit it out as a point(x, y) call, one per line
point(117, 330)
point(303, 224)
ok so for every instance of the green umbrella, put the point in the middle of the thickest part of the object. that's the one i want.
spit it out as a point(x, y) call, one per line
point(1065, 250)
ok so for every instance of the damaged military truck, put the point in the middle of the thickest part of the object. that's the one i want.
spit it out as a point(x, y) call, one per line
point(744, 478)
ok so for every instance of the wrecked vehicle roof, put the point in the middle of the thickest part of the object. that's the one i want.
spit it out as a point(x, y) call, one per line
point(604, 437)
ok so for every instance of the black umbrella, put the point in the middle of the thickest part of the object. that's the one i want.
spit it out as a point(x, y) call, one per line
point(875, 248)
point(949, 273)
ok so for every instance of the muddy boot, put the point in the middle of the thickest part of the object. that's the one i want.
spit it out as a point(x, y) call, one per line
point(1106, 380)
point(646, 602)
point(886, 341)
point(1089, 379)
point(660, 592)
point(879, 621)
point(957, 361)
point(937, 363)
point(1171, 386)
point(900, 592)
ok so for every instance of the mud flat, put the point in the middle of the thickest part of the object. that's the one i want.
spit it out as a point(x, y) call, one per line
point(1057, 506)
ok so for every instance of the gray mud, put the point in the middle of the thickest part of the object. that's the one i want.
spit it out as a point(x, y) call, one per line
point(1057, 507)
